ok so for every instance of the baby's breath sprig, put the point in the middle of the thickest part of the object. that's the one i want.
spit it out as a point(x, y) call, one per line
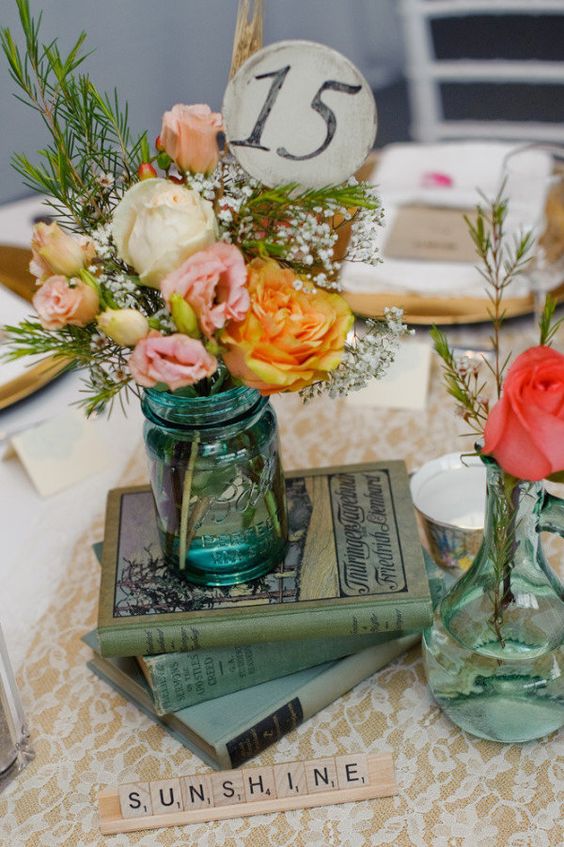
point(298, 227)
point(366, 356)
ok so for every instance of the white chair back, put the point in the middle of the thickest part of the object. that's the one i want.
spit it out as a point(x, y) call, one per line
point(426, 73)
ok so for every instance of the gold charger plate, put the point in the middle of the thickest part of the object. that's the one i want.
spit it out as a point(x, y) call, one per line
point(15, 275)
point(426, 311)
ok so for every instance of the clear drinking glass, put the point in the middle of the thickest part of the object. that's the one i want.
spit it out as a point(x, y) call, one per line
point(534, 186)
point(15, 750)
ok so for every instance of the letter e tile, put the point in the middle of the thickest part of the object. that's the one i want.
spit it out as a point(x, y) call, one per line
point(135, 800)
point(227, 788)
point(290, 779)
point(259, 784)
point(166, 796)
point(352, 770)
point(196, 791)
point(321, 775)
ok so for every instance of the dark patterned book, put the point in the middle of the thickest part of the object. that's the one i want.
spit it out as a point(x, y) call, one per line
point(354, 567)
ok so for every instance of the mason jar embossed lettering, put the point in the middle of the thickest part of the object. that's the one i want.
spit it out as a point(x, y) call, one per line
point(218, 484)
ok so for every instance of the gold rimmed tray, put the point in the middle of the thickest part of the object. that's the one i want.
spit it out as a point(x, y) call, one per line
point(426, 311)
point(15, 275)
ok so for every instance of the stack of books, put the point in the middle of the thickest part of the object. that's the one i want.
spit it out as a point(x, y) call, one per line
point(231, 670)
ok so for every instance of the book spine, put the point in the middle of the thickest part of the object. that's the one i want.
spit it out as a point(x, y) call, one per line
point(178, 680)
point(290, 625)
point(313, 696)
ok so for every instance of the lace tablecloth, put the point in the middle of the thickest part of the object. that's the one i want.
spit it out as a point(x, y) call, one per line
point(455, 790)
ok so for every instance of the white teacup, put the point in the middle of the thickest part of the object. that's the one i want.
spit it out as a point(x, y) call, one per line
point(449, 494)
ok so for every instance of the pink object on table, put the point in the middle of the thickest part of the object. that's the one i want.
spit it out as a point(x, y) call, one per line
point(436, 179)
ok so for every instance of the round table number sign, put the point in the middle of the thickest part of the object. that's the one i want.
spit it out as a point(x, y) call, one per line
point(298, 111)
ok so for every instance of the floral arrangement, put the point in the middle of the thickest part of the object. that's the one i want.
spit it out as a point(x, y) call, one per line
point(523, 431)
point(172, 268)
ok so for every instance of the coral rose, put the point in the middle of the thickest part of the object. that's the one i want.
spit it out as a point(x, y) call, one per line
point(525, 429)
point(213, 283)
point(158, 224)
point(56, 252)
point(289, 338)
point(175, 360)
point(57, 303)
point(189, 136)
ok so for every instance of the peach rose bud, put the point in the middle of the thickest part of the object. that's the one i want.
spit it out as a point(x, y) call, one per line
point(56, 252)
point(58, 303)
point(173, 360)
point(124, 326)
point(189, 136)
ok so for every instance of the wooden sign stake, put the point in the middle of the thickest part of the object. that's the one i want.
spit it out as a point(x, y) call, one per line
point(248, 33)
point(250, 791)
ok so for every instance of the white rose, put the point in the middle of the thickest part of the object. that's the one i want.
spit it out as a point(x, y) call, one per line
point(124, 326)
point(158, 224)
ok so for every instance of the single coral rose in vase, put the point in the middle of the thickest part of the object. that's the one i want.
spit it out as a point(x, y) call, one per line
point(494, 656)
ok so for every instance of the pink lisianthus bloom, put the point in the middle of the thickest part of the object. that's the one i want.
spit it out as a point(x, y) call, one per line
point(56, 252)
point(59, 303)
point(212, 282)
point(175, 360)
point(189, 136)
point(525, 429)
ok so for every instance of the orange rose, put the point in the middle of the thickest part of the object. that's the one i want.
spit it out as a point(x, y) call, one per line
point(289, 338)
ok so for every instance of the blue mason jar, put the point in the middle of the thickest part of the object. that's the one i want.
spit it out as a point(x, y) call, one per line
point(217, 483)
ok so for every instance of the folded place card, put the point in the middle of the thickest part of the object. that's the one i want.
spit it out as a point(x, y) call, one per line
point(429, 233)
point(406, 383)
point(60, 452)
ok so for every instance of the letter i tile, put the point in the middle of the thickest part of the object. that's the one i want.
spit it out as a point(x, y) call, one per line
point(321, 775)
point(290, 779)
point(166, 796)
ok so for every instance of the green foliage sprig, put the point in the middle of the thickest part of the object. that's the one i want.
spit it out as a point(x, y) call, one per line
point(500, 264)
point(92, 151)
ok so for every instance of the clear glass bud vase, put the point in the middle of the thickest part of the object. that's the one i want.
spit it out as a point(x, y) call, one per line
point(218, 484)
point(494, 656)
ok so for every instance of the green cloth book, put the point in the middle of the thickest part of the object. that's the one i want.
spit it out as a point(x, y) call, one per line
point(178, 680)
point(354, 567)
point(230, 730)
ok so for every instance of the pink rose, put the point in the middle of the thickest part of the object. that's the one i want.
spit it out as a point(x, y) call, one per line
point(55, 252)
point(57, 303)
point(189, 136)
point(525, 429)
point(175, 360)
point(212, 281)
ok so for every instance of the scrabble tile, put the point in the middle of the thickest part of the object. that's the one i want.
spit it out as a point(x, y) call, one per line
point(259, 784)
point(352, 770)
point(227, 788)
point(290, 779)
point(135, 800)
point(196, 791)
point(321, 775)
point(166, 796)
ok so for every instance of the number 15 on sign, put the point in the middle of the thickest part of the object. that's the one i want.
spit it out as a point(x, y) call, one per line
point(299, 112)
